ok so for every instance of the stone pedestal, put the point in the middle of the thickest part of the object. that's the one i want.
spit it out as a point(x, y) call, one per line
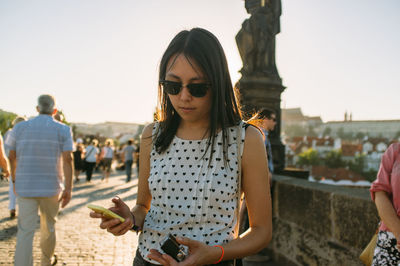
point(256, 93)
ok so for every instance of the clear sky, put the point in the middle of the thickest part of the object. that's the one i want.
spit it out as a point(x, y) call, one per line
point(100, 58)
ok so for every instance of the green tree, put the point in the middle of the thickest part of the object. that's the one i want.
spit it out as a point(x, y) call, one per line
point(344, 135)
point(6, 119)
point(295, 131)
point(340, 133)
point(63, 118)
point(358, 164)
point(370, 175)
point(309, 157)
point(360, 135)
point(333, 159)
point(311, 132)
point(327, 131)
point(397, 135)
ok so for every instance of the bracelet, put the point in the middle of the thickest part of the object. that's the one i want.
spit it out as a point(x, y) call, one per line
point(135, 227)
point(222, 255)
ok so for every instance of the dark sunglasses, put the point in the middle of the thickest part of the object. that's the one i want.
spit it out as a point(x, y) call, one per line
point(195, 89)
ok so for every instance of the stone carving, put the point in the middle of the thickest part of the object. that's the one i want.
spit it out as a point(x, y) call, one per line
point(256, 39)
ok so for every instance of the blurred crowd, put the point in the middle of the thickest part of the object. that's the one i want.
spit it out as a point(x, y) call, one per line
point(95, 157)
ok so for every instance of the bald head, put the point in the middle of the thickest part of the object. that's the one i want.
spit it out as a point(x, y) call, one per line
point(46, 104)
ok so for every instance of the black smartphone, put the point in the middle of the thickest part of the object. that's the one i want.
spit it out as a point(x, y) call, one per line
point(171, 247)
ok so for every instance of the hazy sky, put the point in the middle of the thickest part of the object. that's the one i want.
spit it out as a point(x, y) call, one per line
point(100, 58)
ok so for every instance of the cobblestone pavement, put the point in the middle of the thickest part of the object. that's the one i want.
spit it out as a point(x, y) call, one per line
point(80, 241)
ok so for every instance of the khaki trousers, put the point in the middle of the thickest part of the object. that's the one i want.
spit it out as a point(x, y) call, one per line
point(27, 223)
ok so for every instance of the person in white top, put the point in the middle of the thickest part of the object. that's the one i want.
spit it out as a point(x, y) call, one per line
point(90, 159)
point(192, 162)
point(11, 194)
point(106, 156)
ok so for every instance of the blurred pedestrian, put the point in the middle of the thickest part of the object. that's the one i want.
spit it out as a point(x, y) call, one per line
point(11, 190)
point(4, 164)
point(128, 155)
point(107, 154)
point(36, 146)
point(78, 161)
point(268, 117)
point(136, 157)
point(91, 159)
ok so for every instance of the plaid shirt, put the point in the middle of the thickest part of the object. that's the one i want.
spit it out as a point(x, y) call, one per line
point(39, 143)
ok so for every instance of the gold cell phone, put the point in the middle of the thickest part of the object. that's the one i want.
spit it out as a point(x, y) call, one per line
point(106, 212)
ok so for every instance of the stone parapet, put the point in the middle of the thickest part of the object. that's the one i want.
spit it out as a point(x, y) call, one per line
point(319, 224)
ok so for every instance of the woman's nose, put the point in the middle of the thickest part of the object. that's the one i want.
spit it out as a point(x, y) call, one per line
point(185, 94)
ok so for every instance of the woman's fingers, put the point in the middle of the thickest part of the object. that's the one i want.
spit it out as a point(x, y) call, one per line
point(157, 256)
point(187, 241)
point(95, 215)
point(116, 227)
point(124, 228)
point(109, 223)
point(169, 260)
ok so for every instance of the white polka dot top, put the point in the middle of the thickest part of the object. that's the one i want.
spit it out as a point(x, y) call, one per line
point(191, 198)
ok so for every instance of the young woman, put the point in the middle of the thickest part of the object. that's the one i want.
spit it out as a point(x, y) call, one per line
point(188, 179)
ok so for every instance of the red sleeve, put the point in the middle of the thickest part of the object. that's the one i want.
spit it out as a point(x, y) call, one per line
point(382, 182)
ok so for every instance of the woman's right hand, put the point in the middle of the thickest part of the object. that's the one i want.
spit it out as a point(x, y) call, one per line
point(114, 226)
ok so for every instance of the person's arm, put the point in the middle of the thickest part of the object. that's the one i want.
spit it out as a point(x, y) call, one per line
point(98, 154)
point(4, 165)
point(387, 213)
point(122, 153)
point(68, 168)
point(144, 196)
point(256, 188)
point(12, 156)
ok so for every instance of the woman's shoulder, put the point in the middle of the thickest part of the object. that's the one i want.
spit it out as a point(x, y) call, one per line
point(394, 148)
point(252, 132)
point(148, 130)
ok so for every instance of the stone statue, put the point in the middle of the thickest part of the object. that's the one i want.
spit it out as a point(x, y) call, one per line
point(256, 39)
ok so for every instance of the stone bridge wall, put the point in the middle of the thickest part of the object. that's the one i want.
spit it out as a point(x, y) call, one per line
point(318, 224)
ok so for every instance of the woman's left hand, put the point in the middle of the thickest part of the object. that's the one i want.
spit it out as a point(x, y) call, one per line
point(199, 254)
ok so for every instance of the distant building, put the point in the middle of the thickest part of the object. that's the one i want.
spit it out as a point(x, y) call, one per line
point(294, 116)
point(350, 150)
point(297, 145)
point(107, 129)
point(319, 172)
point(370, 137)
point(373, 128)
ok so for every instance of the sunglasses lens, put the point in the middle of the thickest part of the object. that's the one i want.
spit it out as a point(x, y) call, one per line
point(171, 87)
point(195, 89)
point(198, 89)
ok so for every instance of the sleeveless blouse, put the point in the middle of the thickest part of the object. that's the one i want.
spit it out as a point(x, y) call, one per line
point(191, 197)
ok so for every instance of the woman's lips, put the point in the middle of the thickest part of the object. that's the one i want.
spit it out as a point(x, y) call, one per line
point(187, 109)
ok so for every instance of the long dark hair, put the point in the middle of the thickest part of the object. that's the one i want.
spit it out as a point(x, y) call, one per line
point(202, 47)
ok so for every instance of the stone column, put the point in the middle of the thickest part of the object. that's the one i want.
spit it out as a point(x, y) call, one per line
point(260, 85)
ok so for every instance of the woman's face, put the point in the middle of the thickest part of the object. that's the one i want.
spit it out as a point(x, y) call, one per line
point(190, 109)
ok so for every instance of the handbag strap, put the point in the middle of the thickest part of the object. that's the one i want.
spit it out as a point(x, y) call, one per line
point(89, 152)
